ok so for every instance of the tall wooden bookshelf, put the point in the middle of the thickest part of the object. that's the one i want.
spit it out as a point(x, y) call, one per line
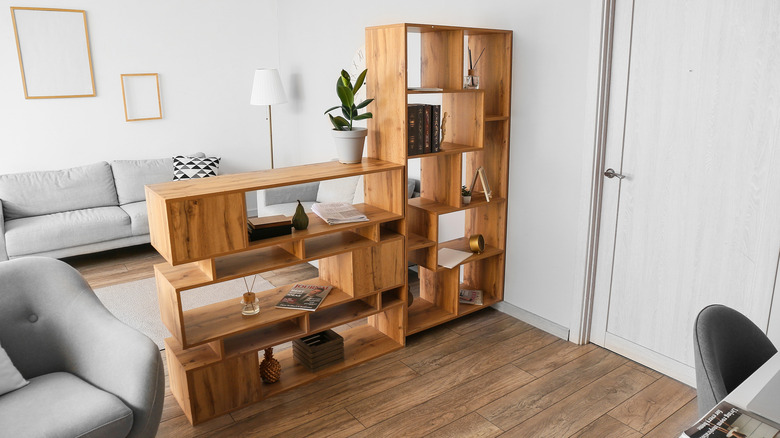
point(199, 227)
point(477, 135)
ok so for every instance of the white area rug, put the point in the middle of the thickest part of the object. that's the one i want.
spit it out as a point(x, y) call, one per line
point(136, 304)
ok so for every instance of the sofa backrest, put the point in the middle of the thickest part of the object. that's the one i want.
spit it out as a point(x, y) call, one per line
point(45, 192)
point(130, 177)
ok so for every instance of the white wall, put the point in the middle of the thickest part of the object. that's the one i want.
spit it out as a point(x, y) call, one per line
point(205, 53)
point(549, 117)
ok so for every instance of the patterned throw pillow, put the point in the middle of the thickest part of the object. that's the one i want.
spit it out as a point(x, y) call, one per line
point(193, 167)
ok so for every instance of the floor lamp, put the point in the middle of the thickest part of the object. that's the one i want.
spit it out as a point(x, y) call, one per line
point(267, 90)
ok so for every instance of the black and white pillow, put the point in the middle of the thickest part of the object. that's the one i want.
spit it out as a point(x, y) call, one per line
point(194, 167)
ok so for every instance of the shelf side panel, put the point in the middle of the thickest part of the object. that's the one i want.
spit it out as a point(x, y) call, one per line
point(440, 177)
point(494, 69)
point(386, 190)
point(391, 322)
point(170, 306)
point(386, 82)
point(225, 386)
point(159, 230)
point(465, 121)
point(206, 227)
point(487, 275)
point(440, 288)
point(442, 59)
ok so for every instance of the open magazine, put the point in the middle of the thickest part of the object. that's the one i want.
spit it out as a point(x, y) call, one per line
point(338, 213)
point(726, 420)
point(304, 297)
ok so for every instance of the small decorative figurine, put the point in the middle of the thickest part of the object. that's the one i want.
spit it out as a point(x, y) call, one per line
point(300, 220)
point(270, 368)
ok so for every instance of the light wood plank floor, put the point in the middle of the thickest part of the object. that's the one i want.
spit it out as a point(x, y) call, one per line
point(484, 375)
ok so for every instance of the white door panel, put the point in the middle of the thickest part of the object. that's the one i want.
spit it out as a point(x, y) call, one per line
point(698, 214)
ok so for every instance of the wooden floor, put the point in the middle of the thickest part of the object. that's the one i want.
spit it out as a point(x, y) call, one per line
point(484, 375)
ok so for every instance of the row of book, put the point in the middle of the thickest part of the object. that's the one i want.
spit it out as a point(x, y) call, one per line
point(424, 123)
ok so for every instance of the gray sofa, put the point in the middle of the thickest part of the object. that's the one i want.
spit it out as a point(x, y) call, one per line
point(89, 374)
point(62, 213)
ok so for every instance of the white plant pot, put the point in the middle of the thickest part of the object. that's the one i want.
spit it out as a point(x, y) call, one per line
point(349, 145)
point(466, 200)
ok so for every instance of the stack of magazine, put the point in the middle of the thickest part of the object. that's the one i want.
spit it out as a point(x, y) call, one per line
point(338, 213)
point(726, 420)
point(304, 297)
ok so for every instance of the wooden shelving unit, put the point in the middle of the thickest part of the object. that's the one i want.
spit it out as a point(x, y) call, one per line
point(199, 227)
point(477, 135)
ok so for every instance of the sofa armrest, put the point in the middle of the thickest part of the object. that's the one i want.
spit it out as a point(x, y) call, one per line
point(3, 249)
point(51, 320)
point(287, 194)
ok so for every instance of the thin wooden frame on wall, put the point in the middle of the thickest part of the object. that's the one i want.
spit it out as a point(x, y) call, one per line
point(141, 96)
point(54, 53)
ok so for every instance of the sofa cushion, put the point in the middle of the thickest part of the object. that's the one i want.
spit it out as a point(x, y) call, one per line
point(10, 378)
point(287, 209)
point(36, 234)
point(185, 168)
point(338, 190)
point(130, 177)
point(62, 405)
point(139, 218)
point(39, 193)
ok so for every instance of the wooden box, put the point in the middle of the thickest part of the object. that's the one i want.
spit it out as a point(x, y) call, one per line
point(319, 350)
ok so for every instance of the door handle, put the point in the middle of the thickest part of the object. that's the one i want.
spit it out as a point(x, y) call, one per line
point(610, 173)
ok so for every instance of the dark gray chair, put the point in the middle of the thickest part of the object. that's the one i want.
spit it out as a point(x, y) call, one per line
point(728, 348)
point(90, 375)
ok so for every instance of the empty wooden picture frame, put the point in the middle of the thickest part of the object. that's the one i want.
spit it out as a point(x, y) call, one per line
point(141, 96)
point(54, 56)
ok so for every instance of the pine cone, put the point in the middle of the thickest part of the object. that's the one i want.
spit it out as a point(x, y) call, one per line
point(270, 368)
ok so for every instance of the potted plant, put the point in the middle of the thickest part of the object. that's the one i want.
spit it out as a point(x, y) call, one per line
point(349, 140)
point(465, 195)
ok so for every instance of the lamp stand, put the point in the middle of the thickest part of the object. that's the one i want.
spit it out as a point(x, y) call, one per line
point(271, 134)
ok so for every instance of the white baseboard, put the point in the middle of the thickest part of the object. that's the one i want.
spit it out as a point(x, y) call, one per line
point(533, 319)
point(656, 361)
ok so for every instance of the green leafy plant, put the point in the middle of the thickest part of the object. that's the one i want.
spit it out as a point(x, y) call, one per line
point(464, 191)
point(346, 92)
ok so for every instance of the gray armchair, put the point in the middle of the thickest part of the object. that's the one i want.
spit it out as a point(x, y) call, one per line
point(90, 374)
point(728, 348)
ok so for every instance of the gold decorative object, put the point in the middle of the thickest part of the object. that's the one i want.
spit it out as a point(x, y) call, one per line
point(477, 243)
point(270, 368)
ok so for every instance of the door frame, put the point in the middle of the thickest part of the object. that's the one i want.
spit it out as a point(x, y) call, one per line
point(593, 183)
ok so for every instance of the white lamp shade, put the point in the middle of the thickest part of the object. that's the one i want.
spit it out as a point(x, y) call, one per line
point(267, 88)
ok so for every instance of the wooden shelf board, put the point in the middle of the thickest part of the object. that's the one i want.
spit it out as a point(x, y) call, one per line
point(465, 309)
point(223, 319)
point(448, 149)
point(266, 179)
point(431, 206)
point(318, 227)
point(424, 314)
point(182, 276)
point(389, 304)
point(462, 244)
point(336, 316)
point(332, 244)
point(443, 91)
point(361, 344)
point(252, 262)
point(415, 241)
point(262, 338)
point(191, 358)
point(495, 118)
point(422, 28)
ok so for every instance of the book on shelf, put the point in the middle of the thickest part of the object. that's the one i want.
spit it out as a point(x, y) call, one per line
point(726, 420)
point(435, 128)
point(415, 129)
point(428, 125)
point(338, 213)
point(304, 297)
point(470, 296)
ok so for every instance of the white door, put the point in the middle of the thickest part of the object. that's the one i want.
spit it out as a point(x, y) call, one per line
point(694, 125)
